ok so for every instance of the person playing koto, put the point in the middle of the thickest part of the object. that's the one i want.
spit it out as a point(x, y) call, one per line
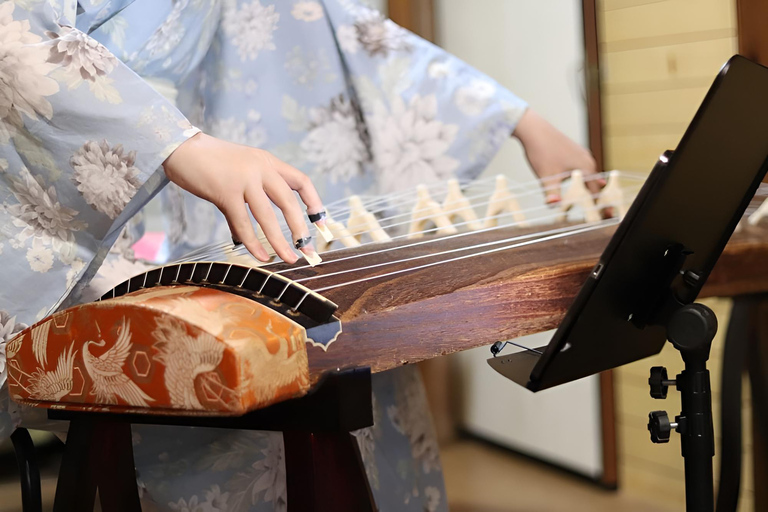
point(218, 109)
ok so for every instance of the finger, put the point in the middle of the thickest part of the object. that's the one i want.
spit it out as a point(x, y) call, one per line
point(592, 179)
point(282, 195)
point(595, 185)
point(552, 186)
point(241, 228)
point(264, 214)
point(301, 183)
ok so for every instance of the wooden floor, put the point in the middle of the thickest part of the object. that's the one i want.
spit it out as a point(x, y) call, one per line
point(479, 478)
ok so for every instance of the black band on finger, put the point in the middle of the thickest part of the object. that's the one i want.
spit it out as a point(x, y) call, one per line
point(314, 217)
point(302, 242)
point(236, 242)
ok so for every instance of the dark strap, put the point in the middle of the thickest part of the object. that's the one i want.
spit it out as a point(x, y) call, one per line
point(740, 331)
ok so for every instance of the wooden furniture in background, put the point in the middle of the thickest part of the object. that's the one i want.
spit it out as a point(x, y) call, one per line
point(610, 477)
point(418, 16)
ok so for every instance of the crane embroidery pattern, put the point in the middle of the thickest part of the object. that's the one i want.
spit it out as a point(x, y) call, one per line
point(185, 357)
point(106, 371)
point(181, 348)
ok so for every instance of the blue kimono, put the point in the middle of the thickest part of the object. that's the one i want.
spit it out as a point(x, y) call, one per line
point(94, 96)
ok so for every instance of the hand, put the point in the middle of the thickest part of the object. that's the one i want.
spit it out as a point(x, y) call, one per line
point(231, 176)
point(552, 155)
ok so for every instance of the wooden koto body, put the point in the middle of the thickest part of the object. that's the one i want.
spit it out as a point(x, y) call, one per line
point(447, 308)
point(419, 307)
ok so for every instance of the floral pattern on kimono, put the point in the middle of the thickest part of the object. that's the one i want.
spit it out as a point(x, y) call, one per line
point(94, 97)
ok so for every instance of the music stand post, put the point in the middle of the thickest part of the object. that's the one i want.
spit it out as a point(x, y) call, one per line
point(691, 330)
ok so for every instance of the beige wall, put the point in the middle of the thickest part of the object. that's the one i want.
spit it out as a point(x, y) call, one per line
point(658, 59)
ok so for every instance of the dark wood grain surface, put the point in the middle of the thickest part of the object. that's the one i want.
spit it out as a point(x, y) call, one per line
point(422, 314)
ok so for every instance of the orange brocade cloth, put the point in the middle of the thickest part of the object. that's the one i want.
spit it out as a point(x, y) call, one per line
point(180, 350)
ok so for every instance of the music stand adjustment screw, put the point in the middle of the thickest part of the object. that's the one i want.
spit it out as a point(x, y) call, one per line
point(660, 427)
point(659, 382)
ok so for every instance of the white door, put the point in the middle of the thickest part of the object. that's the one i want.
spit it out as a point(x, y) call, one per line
point(536, 49)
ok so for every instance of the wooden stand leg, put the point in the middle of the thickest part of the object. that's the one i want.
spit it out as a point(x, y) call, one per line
point(325, 473)
point(98, 454)
point(117, 480)
point(76, 487)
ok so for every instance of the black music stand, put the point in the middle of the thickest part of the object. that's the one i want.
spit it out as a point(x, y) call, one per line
point(641, 293)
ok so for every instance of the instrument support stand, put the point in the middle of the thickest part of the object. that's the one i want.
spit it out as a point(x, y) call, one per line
point(691, 330)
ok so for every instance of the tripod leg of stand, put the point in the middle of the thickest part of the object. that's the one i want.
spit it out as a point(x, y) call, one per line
point(758, 372)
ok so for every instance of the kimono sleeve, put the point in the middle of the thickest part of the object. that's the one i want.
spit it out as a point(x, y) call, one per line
point(430, 116)
point(82, 140)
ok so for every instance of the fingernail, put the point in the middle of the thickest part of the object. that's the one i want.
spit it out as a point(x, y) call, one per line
point(311, 255)
point(552, 198)
point(318, 219)
point(236, 242)
point(304, 244)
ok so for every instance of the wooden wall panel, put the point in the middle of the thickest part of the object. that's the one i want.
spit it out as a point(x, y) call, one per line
point(658, 58)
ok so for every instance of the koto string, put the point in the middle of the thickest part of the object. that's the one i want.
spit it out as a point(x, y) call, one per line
point(222, 245)
point(589, 227)
point(523, 211)
point(225, 248)
point(552, 216)
point(389, 249)
point(567, 230)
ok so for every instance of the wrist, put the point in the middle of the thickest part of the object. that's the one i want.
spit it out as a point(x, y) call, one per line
point(176, 160)
point(528, 126)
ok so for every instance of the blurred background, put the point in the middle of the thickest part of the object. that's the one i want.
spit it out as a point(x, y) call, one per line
point(623, 77)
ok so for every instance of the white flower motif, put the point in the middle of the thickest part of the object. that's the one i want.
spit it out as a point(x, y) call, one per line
point(40, 215)
point(472, 99)
point(334, 141)
point(105, 177)
point(347, 37)
point(80, 54)
point(405, 416)
point(168, 35)
point(272, 474)
point(75, 268)
point(115, 270)
point(250, 28)
point(379, 35)
point(238, 132)
point(24, 83)
point(40, 258)
point(433, 499)
point(304, 68)
point(438, 69)
point(183, 506)
point(410, 144)
point(215, 501)
point(8, 329)
point(307, 11)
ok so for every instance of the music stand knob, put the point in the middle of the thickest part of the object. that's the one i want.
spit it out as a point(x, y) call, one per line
point(660, 427)
point(659, 382)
